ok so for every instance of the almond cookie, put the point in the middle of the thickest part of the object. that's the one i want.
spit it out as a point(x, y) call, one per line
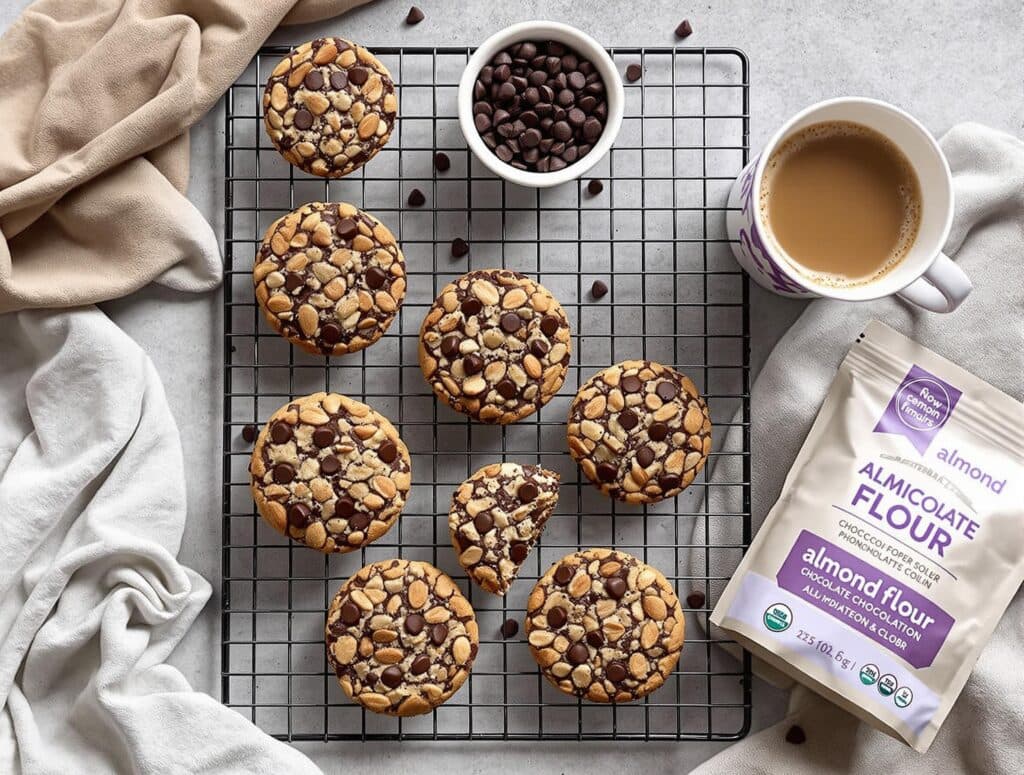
point(496, 517)
point(329, 278)
point(495, 345)
point(640, 431)
point(605, 626)
point(330, 472)
point(401, 637)
point(329, 107)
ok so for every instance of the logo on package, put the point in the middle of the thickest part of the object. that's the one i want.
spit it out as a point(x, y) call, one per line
point(919, 408)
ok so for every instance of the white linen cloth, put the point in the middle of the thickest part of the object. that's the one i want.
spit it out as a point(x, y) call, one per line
point(92, 600)
point(984, 733)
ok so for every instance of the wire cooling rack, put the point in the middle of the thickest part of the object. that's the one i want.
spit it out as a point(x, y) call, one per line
point(656, 235)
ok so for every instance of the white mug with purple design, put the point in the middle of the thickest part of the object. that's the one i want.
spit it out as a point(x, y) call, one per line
point(925, 276)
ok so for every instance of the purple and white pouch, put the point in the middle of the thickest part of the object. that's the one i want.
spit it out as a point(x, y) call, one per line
point(897, 542)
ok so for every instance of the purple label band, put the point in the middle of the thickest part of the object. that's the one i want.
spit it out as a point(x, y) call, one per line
point(919, 408)
point(751, 243)
point(865, 599)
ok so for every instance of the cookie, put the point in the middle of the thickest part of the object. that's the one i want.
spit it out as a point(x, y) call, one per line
point(496, 517)
point(329, 278)
point(330, 472)
point(639, 431)
point(401, 637)
point(605, 626)
point(495, 345)
point(329, 107)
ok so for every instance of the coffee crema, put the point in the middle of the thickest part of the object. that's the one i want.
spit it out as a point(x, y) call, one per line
point(842, 201)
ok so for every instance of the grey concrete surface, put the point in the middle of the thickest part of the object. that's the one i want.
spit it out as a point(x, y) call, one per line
point(945, 62)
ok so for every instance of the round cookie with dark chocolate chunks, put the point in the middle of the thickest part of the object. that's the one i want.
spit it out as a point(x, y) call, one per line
point(329, 278)
point(605, 626)
point(330, 472)
point(496, 517)
point(329, 107)
point(639, 431)
point(495, 345)
point(401, 637)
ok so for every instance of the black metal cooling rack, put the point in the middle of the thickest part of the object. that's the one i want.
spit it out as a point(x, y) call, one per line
point(656, 235)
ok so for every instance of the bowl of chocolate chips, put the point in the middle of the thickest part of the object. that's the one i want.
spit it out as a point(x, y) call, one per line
point(540, 103)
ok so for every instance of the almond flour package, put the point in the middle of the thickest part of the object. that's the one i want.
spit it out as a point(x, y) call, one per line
point(897, 541)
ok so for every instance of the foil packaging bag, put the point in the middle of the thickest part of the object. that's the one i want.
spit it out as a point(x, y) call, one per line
point(897, 541)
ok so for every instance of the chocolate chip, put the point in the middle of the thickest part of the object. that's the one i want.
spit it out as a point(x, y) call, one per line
point(303, 119)
point(695, 599)
point(616, 672)
point(539, 348)
point(358, 75)
point(615, 587)
point(441, 162)
point(339, 80)
point(511, 322)
point(549, 325)
point(249, 433)
point(666, 391)
point(450, 346)
point(472, 364)
point(685, 29)
point(483, 522)
point(628, 419)
point(595, 638)
point(506, 388)
point(298, 515)
point(645, 456)
point(509, 628)
point(420, 665)
point(658, 431)
point(795, 735)
point(330, 333)
point(416, 198)
point(330, 465)
point(563, 575)
point(292, 282)
point(415, 16)
point(471, 306)
point(595, 187)
point(414, 624)
point(631, 384)
point(669, 482)
point(438, 634)
point(280, 433)
point(599, 289)
point(556, 617)
point(313, 81)
point(323, 437)
point(392, 676)
point(606, 472)
point(527, 492)
point(459, 247)
point(633, 73)
point(283, 473)
point(375, 277)
point(359, 521)
point(346, 228)
point(388, 452)
point(350, 613)
point(519, 552)
point(577, 654)
point(345, 507)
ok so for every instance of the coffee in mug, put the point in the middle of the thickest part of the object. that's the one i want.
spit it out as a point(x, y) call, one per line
point(842, 201)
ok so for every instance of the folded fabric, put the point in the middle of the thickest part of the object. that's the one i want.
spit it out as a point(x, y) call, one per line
point(92, 600)
point(98, 98)
point(986, 336)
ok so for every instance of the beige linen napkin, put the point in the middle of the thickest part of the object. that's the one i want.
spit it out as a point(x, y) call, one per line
point(96, 102)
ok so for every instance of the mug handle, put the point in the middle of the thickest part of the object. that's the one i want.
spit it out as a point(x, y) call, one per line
point(941, 288)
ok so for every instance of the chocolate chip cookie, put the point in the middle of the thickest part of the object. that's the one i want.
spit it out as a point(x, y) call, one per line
point(604, 625)
point(496, 517)
point(401, 637)
point(329, 278)
point(330, 472)
point(640, 431)
point(329, 107)
point(495, 345)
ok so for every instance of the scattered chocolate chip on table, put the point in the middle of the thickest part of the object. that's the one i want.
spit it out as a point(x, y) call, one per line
point(509, 628)
point(442, 163)
point(595, 187)
point(696, 599)
point(249, 433)
point(599, 289)
point(416, 198)
point(415, 16)
point(796, 735)
point(633, 73)
point(459, 247)
point(685, 29)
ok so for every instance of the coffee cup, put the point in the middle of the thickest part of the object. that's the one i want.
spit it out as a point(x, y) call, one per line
point(919, 271)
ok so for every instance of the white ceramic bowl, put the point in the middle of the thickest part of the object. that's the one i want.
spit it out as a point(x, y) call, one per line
point(584, 45)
